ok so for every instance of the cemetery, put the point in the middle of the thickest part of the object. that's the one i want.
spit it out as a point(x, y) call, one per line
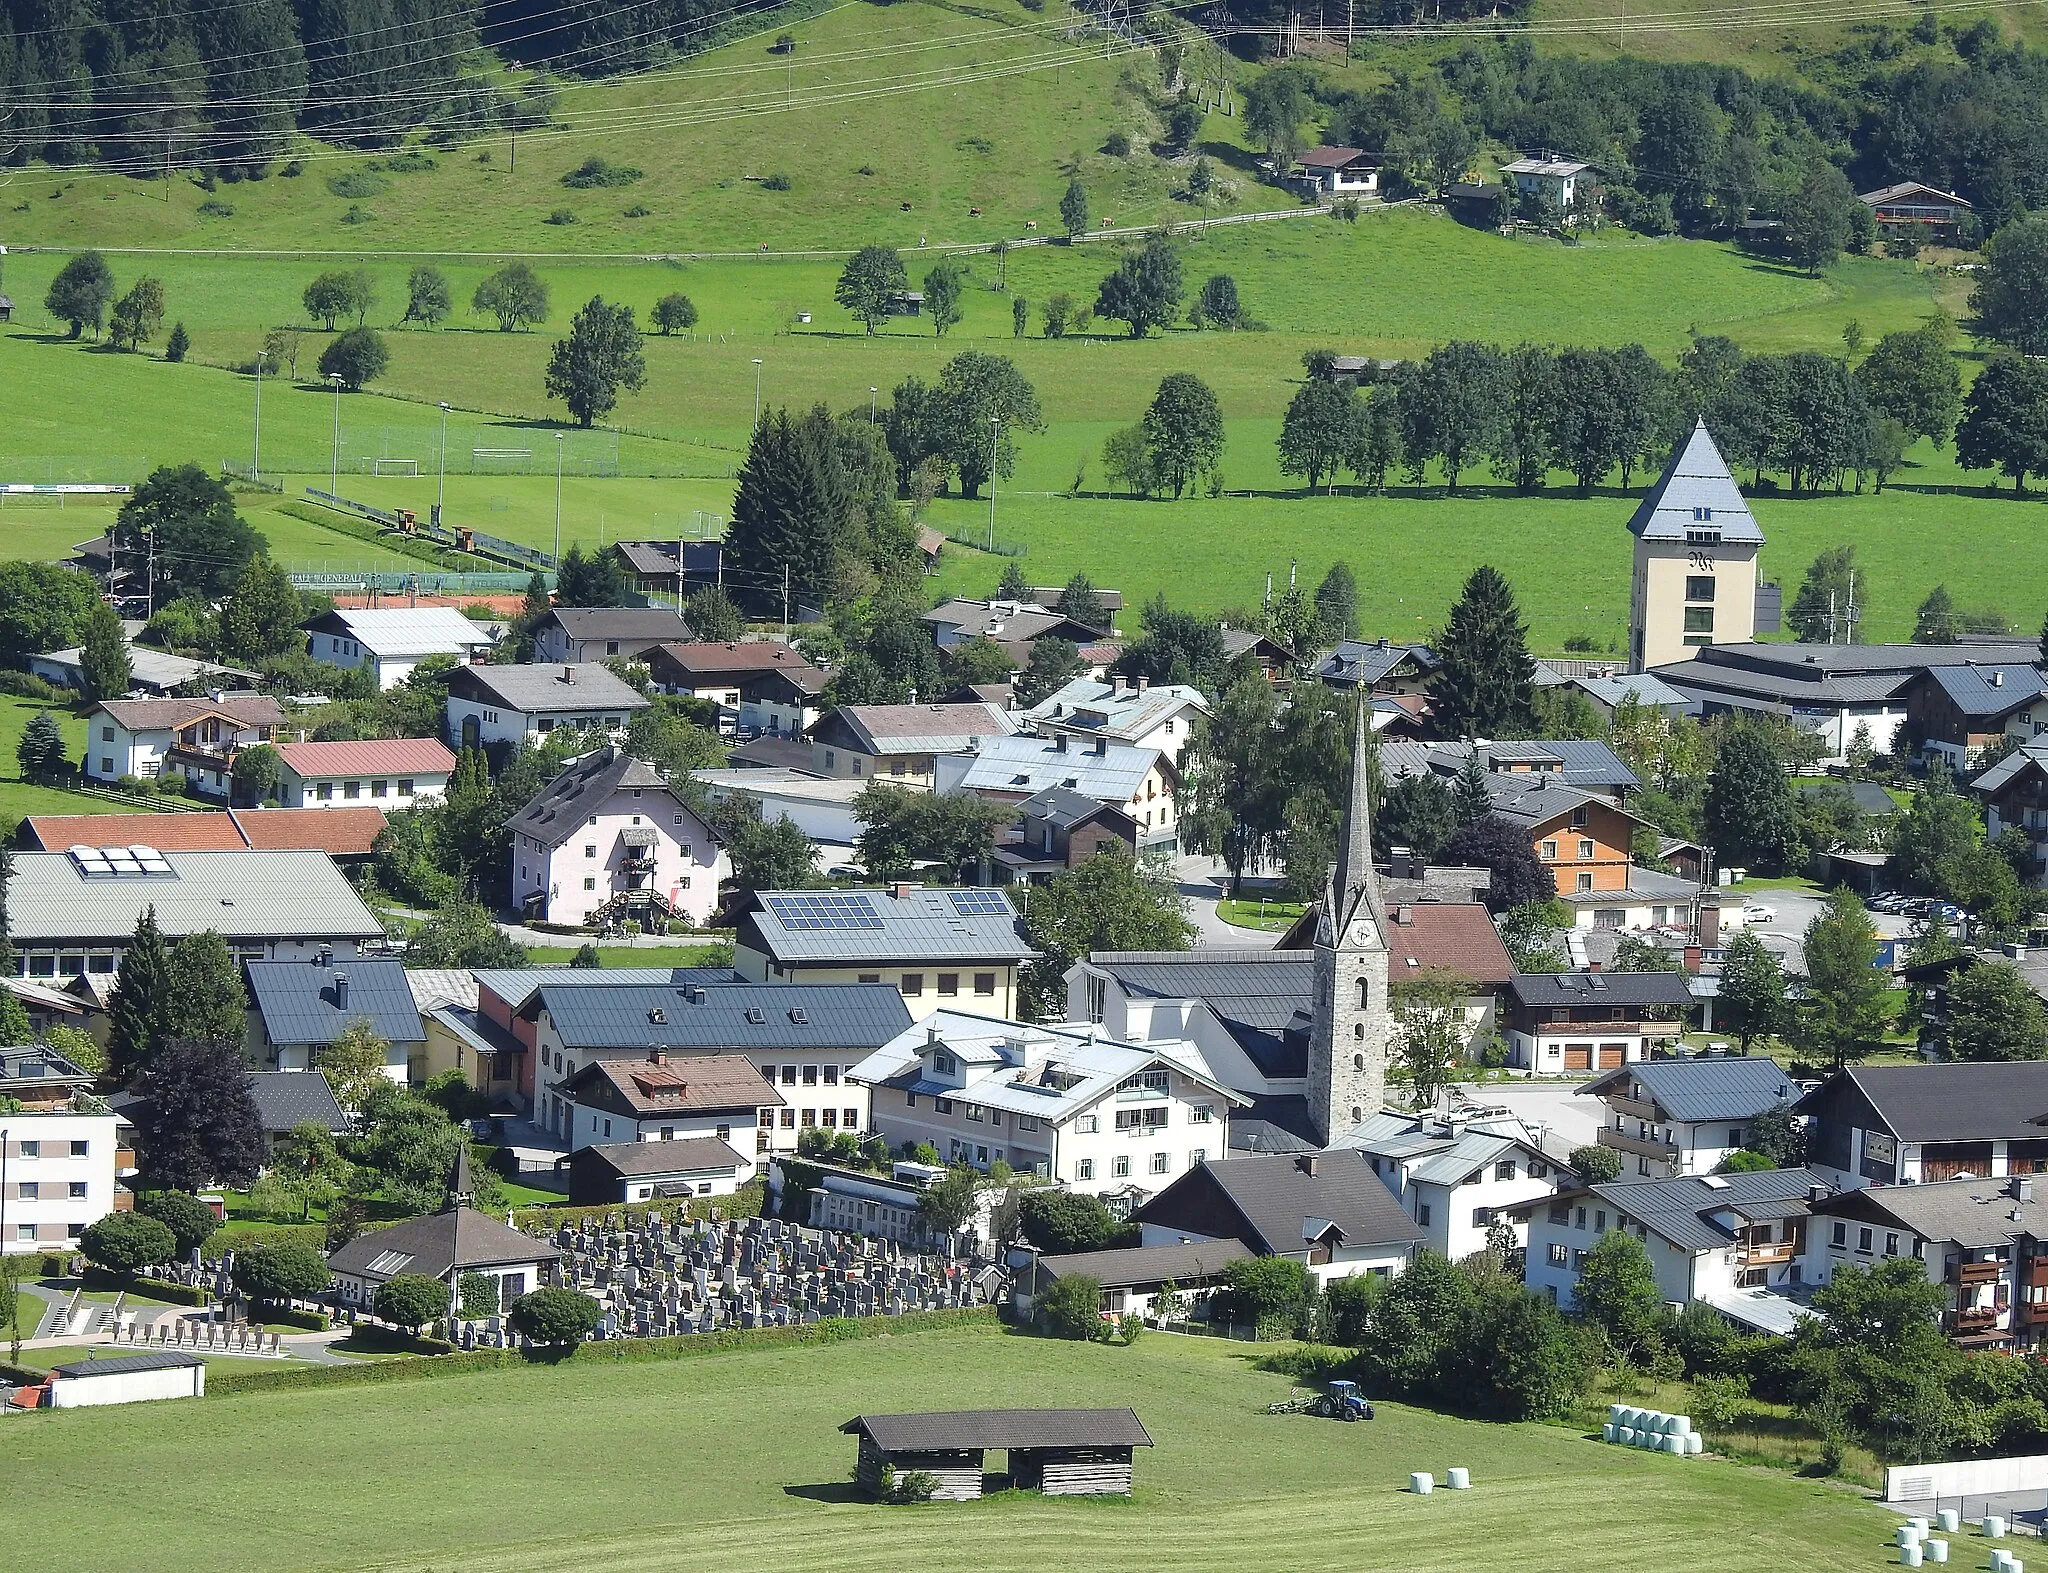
point(659, 1278)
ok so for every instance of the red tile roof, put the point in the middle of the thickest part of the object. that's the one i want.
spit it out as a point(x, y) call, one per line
point(339, 832)
point(377, 756)
point(1450, 936)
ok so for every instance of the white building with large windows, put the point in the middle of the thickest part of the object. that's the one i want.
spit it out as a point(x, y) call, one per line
point(1096, 1115)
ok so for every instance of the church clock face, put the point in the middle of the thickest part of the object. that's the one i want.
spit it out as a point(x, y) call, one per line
point(1360, 933)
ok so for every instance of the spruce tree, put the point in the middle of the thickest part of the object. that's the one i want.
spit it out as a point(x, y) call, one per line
point(1485, 686)
point(104, 659)
point(204, 998)
point(789, 511)
point(1469, 793)
point(137, 1008)
point(1749, 811)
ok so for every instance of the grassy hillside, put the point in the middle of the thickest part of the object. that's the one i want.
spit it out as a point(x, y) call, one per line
point(1761, 36)
point(743, 1451)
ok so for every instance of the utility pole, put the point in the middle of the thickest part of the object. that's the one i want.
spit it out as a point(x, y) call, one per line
point(334, 461)
point(1269, 588)
point(441, 488)
point(995, 429)
point(149, 575)
point(785, 603)
point(558, 499)
point(256, 460)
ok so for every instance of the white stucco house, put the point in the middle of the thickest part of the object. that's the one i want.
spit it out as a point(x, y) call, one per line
point(1065, 1104)
point(392, 642)
point(147, 738)
point(1455, 1177)
point(389, 772)
point(512, 704)
point(609, 838)
point(1667, 1117)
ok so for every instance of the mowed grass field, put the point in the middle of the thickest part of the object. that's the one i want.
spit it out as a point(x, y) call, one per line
point(736, 1458)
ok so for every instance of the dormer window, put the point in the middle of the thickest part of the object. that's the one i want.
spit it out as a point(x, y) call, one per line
point(944, 1064)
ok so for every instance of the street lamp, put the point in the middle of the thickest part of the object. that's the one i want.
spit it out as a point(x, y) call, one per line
point(871, 406)
point(256, 461)
point(334, 464)
point(558, 495)
point(995, 427)
point(441, 489)
point(757, 392)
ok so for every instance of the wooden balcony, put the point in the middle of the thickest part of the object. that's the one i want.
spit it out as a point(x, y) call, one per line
point(124, 1161)
point(1632, 1108)
point(2036, 1276)
point(1975, 1273)
point(1765, 1252)
point(1981, 1321)
point(1641, 1146)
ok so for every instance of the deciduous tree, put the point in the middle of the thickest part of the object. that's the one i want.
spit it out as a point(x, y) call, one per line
point(1320, 430)
point(1752, 1002)
point(1145, 290)
point(944, 285)
point(2005, 419)
point(675, 312)
point(2011, 289)
point(201, 544)
point(1112, 901)
point(138, 315)
point(872, 278)
point(515, 295)
point(1843, 1014)
point(427, 298)
point(358, 357)
point(81, 293)
point(411, 1300)
point(556, 1318)
point(600, 356)
point(1994, 1014)
point(1183, 431)
point(126, 1243)
point(197, 1120)
point(1501, 846)
point(354, 1062)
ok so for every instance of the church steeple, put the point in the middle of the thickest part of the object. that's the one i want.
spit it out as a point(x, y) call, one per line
point(1353, 1021)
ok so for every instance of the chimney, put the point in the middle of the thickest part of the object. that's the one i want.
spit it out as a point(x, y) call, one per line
point(1997, 678)
point(656, 1054)
point(1059, 743)
point(901, 891)
point(2023, 1187)
point(1144, 683)
point(1102, 748)
point(1116, 683)
point(568, 674)
point(325, 956)
point(1404, 913)
point(1693, 958)
point(1592, 966)
point(341, 991)
point(1309, 1163)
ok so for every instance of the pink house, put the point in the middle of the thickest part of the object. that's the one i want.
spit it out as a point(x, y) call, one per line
point(608, 840)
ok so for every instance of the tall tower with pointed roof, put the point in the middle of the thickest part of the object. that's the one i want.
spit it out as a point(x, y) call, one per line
point(1695, 568)
point(1353, 1024)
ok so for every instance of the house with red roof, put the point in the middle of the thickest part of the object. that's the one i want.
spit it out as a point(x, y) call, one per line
point(388, 772)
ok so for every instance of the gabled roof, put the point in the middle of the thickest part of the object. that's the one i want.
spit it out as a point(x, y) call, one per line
point(1261, 998)
point(1681, 1210)
point(385, 756)
point(285, 1100)
point(1562, 167)
point(1356, 662)
point(721, 1016)
point(683, 1084)
point(438, 1245)
point(1279, 1201)
point(1116, 709)
point(1148, 1264)
point(1645, 688)
point(1990, 691)
point(686, 1155)
point(339, 831)
point(303, 1001)
point(978, 1430)
point(1024, 765)
point(1973, 1213)
point(1721, 1088)
point(1012, 622)
point(656, 623)
point(741, 657)
point(124, 1365)
point(1064, 808)
point(1981, 1101)
point(2027, 757)
point(1553, 990)
point(1581, 762)
point(914, 729)
point(407, 631)
point(168, 715)
point(1437, 1152)
point(561, 808)
point(897, 923)
point(248, 893)
point(546, 688)
point(1335, 157)
point(1530, 799)
point(1911, 188)
point(519, 986)
point(1696, 493)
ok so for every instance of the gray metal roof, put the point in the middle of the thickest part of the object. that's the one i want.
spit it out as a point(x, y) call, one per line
point(438, 1245)
point(1682, 1209)
point(1582, 762)
point(1061, 806)
point(518, 985)
point(1028, 765)
point(1696, 493)
point(561, 808)
point(1261, 998)
point(1973, 1213)
point(239, 895)
point(547, 689)
point(1722, 1088)
point(409, 630)
point(1987, 1101)
point(2028, 756)
point(835, 1015)
point(304, 1002)
point(689, 1155)
point(1991, 690)
point(1149, 1264)
point(286, 1100)
point(1551, 990)
point(1280, 1199)
point(1645, 688)
point(1644, 884)
point(1115, 709)
point(919, 925)
point(914, 729)
point(621, 622)
point(124, 1365)
point(977, 1430)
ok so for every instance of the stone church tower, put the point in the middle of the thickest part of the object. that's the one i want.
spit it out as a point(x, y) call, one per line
point(1348, 1045)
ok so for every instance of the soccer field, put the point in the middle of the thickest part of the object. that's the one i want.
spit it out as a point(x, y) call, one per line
point(735, 1460)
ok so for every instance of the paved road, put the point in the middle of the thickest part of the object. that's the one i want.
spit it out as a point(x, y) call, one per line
point(1203, 881)
point(1573, 1121)
point(1794, 909)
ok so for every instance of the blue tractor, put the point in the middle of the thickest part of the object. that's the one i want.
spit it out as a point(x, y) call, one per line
point(1343, 1402)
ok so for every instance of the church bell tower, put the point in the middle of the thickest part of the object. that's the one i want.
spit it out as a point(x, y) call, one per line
point(1348, 1044)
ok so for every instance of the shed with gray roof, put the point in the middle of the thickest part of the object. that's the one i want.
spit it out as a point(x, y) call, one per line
point(1060, 1452)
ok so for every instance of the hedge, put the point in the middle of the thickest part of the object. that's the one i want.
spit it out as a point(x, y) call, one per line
point(154, 1288)
point(742, 1203)
point(312, 1321)
point(394, 1340)
point(619, 1351)
point(238, 1236)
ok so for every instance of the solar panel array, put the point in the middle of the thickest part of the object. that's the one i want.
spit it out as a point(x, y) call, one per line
point(832, 911)
point(982, 903)
point(116, 862)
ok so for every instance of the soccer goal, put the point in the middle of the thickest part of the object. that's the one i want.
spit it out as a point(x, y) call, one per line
point(395, 467)
point(500, 461)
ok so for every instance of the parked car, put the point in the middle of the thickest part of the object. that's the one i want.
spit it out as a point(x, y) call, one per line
point(1753, 914)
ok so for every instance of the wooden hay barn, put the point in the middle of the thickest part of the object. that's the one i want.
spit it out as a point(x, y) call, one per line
point(1061, 1452)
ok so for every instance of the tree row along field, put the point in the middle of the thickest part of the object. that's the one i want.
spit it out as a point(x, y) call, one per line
point(1314, 283)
